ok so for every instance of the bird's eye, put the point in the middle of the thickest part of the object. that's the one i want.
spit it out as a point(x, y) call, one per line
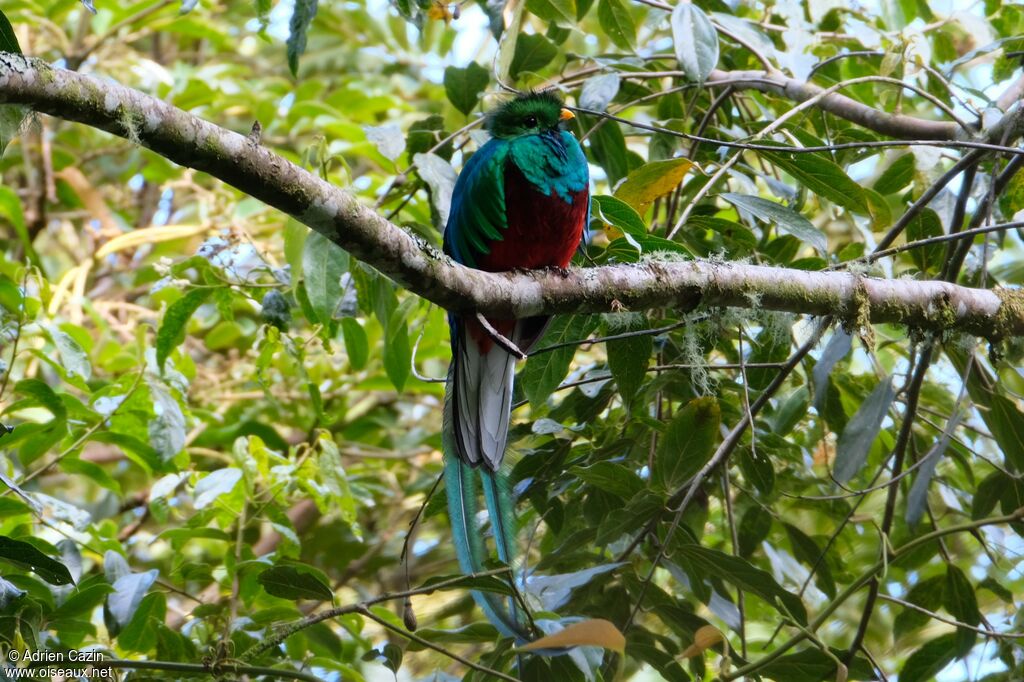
point(530, 121)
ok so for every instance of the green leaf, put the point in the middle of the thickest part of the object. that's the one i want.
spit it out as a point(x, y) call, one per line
point(463, 86)
point(628, 358)
point(652, 181)
point(617, 23)
point(959, 598)
point(837, 348)
point(786, 219)
point(610, 477)
point(533, 52)
point(928, 259)
point(73, 358)
point(598, 91)
point(806, 550)
point(917, 498)
point(295, 234)
point(617, 212)
point(996, 588)
point(140, 634)
point(824, 177)
point(129, 590)
point(296, 581)
point(860, 432)
point(814, 665)
point(26, 556)
point(695, 40)
point(302, 17)
point(770, 346)
point(12, 117)
point(608, 147)
point(12, 507)
point(930, 659)
point(263, 8)
point(167, 427)
point(397, 351)
point(927, 594)
point(560, 12)
point(91, 470)
point(323, 264)
point(988, 493)
point(388, 139)
point(754, 527)
point(172, 329)
point(215, 484)
point(389, 655)
point(44, 396)
point(544, 371)
point(1000, 414)
point(896, 176)
point(356, 344)
point(484, 583)
point(758, 469)
point(705, 562)
point(687, 443)
point(10, 204)
point(8, 41)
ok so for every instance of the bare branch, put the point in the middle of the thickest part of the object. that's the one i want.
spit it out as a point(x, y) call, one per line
point(894, 125)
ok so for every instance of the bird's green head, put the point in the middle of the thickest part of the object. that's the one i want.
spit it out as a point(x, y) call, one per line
point(529, 114)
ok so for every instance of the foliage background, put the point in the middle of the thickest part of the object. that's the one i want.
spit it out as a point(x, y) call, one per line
point(218, 431)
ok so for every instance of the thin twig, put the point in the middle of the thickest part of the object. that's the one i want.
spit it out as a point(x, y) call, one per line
point(498, 338)
point(430, 645)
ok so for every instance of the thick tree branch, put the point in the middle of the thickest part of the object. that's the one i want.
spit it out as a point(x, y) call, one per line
point(894, 125)
point(411, 262)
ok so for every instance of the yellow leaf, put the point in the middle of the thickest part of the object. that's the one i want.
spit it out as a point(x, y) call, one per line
point(597, 632)
point(651, 181)
point(705, 638)
point(439, 11)
point(149, 235)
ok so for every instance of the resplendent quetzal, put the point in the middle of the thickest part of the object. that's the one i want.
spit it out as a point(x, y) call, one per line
point(522, 201)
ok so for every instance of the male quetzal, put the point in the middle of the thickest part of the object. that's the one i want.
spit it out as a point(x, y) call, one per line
point(522, 201)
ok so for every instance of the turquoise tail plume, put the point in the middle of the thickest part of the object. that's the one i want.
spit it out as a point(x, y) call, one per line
point(462, 490)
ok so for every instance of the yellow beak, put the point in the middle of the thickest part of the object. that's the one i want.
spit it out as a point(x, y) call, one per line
point(566, 115)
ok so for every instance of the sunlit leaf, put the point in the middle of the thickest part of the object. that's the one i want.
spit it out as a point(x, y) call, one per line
point(695, 40)
point(652, 181)
point(617, 23)
point(596, 632)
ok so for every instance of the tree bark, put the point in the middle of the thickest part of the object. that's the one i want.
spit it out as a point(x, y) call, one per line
point(414, 264)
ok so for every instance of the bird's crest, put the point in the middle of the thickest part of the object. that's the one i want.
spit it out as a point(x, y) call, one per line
point(528, 113)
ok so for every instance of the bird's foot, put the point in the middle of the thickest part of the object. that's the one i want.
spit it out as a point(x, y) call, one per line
point(560, 271)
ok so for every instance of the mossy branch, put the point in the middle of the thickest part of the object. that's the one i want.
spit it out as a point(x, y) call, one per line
point(408, 260)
